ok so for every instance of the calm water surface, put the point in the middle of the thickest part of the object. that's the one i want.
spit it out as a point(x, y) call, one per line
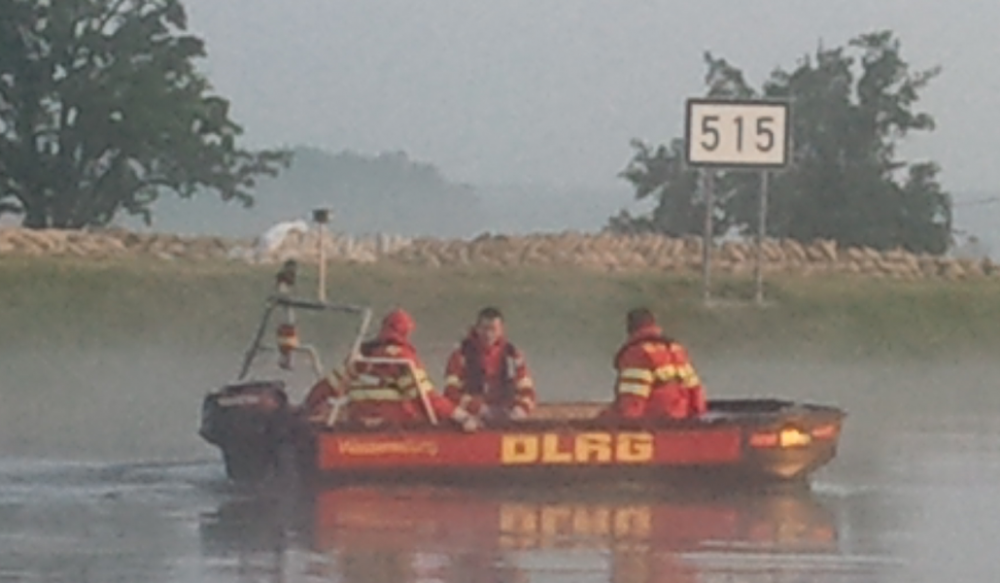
point(911, 497)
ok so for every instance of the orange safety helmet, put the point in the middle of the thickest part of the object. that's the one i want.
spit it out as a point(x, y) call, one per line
point(397, 323)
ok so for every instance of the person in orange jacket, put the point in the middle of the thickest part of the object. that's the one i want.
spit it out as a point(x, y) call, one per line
point(487, 375)
point(387, 393)
point(655, 377)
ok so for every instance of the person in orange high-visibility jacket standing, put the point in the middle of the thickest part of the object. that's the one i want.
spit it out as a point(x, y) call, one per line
point(386, 392)
point(655, 377)
point(487, 374)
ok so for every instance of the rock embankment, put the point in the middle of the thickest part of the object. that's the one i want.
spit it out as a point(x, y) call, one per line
point(603, 252)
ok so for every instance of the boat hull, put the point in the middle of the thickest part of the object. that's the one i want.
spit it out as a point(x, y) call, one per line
point(740, 443)
point(721, 452)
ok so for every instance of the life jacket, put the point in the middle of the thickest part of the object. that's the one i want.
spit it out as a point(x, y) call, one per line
point(475, 374)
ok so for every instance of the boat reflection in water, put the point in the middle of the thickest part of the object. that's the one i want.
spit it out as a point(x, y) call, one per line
point(406, 535)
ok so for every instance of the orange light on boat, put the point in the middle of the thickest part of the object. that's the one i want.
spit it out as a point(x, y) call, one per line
point(766, 439)
point(825, 431)
point(787, 437)
point(792, 437)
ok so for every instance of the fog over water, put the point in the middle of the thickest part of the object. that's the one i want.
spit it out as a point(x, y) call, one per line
point(102, 477)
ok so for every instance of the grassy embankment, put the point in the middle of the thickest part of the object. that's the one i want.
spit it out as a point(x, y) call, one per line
point(556, 313)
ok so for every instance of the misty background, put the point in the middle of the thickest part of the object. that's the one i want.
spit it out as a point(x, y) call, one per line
point(526, 108)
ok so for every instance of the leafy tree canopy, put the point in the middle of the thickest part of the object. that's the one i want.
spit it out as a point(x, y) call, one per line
point(102, 110)
point(850, 108)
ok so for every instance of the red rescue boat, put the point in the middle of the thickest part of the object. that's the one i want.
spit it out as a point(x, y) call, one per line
point(739, 441)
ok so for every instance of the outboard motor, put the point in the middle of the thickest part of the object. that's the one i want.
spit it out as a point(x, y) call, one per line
point(250, 422)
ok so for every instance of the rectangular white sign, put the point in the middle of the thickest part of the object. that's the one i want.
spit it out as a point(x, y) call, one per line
point(744, 133)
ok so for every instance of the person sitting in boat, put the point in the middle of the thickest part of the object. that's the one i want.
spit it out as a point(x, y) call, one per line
point(487, 375)
point(655, 377)
point(381, 393)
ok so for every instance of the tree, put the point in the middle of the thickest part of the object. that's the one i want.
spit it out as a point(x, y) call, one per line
point(102, 110)
point(660, 173)
point(850, 108)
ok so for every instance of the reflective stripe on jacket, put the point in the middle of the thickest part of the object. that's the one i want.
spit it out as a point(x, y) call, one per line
point(650, 363)
point(386, 382)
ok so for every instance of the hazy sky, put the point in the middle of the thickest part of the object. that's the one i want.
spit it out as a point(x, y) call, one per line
point(509, 91)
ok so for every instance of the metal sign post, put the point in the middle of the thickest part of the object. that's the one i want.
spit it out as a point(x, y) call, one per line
point(736, 134)
point(321, 218)
point(707, 187)
point(758, 266)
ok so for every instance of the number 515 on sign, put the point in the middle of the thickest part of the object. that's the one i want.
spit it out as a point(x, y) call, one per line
point(747, 133)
